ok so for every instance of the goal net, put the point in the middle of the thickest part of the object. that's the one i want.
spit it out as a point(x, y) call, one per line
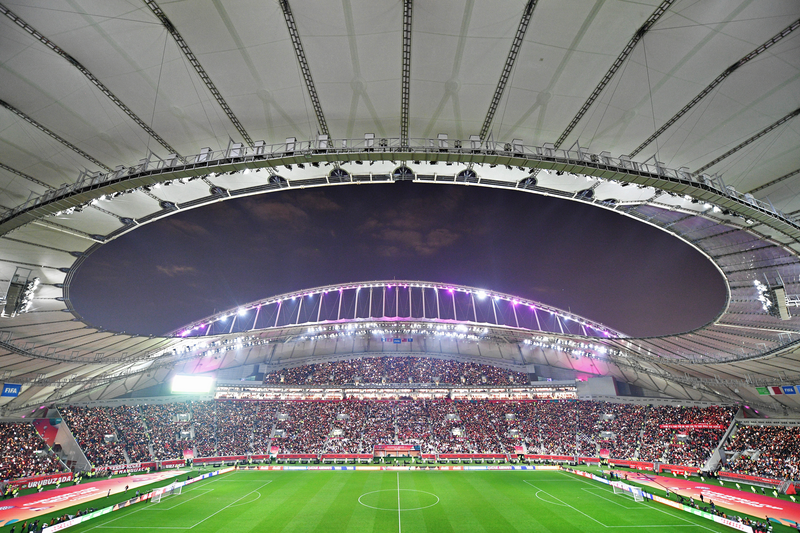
point(634, 492)
point(163, 492)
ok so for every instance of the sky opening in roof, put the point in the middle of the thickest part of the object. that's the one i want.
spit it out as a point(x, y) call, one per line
point(591, 261)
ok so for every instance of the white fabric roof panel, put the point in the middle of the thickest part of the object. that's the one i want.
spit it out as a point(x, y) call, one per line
point(41, 236)
point(566, 52)
point(34, 255)
point(88, 221)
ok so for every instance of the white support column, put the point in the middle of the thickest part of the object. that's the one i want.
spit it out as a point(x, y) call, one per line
point(423, 302)
point(319, 311)
point(409, 301)
point(514, 305)
point(369, 314)
point(538, 324)
point(474, 311)
point(438, 313)
point(299, 308)
point(355, 306)
point(258, 310)
point(278, 314)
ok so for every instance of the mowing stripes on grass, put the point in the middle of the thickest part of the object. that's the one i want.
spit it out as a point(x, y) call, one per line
point(406, 502)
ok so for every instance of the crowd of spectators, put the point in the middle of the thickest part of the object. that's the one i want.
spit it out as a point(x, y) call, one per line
point(234, 432)
point(262, 429)
point(396, 370)
point(165, 427)
point(771, 451)
point(23, 453)
point(685, 446)
point(204, 422)
point(306, 425)
point(92, 427)
point(555, 427)
point(130, 431)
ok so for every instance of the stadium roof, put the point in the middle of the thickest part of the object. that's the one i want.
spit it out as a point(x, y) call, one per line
point(116, 114)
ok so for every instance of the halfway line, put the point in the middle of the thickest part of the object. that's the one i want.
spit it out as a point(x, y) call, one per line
point(399, 525)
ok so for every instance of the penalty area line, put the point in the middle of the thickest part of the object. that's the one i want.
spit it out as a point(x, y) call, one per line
point(653, 507)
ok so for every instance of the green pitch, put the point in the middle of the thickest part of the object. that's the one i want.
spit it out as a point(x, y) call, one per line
point(401, 502)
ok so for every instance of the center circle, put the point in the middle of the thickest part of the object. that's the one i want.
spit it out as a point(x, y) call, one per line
point(422, 499)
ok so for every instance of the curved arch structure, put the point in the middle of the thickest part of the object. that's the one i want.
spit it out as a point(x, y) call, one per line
point(400, 301)
point(48, 229)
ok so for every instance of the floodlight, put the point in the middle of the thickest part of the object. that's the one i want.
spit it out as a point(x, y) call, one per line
point(183, 384)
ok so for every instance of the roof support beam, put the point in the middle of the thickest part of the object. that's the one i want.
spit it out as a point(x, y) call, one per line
point(719, 79)
point(775, 181)
point(83, 70)
point(405, 87)
point(751, 140)
point(158, 12)
point(304, 68)
point(508, 67)
point(54, 135)
point(614, 68)
point(25, 176)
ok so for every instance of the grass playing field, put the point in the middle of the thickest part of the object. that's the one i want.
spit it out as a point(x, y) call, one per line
point(381, 501)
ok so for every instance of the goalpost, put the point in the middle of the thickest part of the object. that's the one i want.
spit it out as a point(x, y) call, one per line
point(170, 490)
point(635, 492)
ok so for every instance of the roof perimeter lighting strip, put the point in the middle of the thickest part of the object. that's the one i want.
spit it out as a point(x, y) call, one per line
point(158, 12)
point(665, 5)
point(728, 71)
point(524, 22)
point(751, 140)
point(304, 68)
point(25, 176)
point(405, 90)
point(54, 135)
point(775, 181)
point(91, 77)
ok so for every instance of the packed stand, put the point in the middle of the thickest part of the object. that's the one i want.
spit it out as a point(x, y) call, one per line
point(306, 426)
point(234, 432)
point(615, 427)
point(360, 425)
point(130, 431)
point(776, 450)
point(262, 429)
point(23, 453)
point(204, 421)
point(688, 446)
point(413, 422)
point(396, 370)
point(446, 431)
point(89, 426)
point(164, 428)
point(555, 427)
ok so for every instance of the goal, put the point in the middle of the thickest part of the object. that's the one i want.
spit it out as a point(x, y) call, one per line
point(635, 492)
point(170, 490)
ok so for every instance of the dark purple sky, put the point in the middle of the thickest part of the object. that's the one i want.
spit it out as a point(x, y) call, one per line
point(596, 263)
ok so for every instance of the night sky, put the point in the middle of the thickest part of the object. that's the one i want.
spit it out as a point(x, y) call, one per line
point(596, 263)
